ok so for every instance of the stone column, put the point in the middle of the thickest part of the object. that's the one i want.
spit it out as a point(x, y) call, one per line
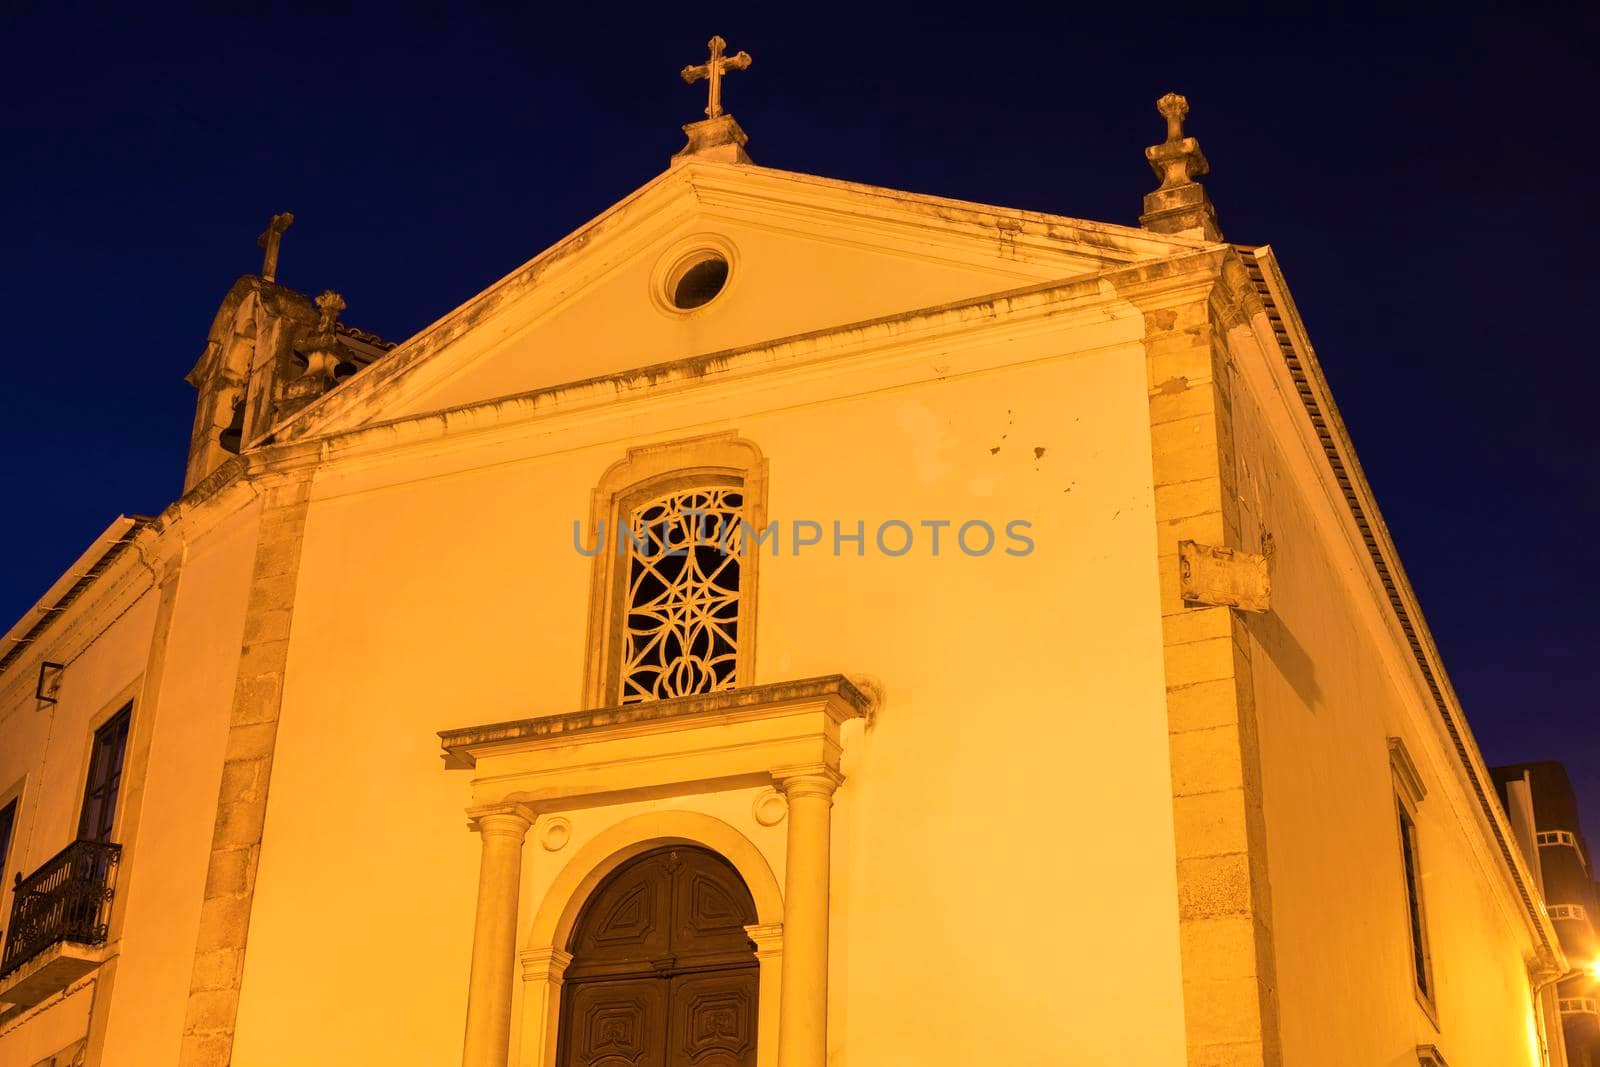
point(803, 1030)
point(494, 938)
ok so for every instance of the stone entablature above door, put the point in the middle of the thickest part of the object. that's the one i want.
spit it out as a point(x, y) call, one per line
point(548, 773)
point(689, 744)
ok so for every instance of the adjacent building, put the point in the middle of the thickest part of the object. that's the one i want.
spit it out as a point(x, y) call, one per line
point(787, 622)
point(1543, 808)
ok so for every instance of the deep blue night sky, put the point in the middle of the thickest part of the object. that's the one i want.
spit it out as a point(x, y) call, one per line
point(1428, 185)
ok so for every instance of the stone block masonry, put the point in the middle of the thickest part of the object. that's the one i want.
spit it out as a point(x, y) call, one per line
point(1225, 913)
point(246, 774)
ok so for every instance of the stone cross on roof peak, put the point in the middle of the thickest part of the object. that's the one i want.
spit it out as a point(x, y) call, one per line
point(717, 137)
point(712, 71)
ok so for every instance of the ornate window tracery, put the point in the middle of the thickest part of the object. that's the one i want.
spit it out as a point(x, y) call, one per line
point(672, 604)
point(680, 631)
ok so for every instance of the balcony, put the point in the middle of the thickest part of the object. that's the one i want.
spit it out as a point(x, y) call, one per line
point(59, 915)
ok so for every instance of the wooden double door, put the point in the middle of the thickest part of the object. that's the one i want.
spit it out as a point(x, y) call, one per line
point(662, 972)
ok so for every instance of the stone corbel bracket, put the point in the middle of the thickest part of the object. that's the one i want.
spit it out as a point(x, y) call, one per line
point(870, 687)
point(1223, 577)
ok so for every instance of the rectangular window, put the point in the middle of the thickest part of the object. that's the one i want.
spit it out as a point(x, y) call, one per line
point(1422, 967)
point(105, 778)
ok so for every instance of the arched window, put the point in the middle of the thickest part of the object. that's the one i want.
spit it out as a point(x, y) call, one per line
point(673, 596)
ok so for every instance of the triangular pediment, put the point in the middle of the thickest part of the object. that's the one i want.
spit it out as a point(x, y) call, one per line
point(805, 255)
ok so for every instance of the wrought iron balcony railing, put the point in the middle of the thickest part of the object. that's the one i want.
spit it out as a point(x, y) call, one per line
point(67, 899)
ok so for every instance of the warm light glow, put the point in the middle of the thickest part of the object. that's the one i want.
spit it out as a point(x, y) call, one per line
point(1592, 968)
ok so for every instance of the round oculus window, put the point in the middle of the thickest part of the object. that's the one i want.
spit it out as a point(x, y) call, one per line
point(697, 280)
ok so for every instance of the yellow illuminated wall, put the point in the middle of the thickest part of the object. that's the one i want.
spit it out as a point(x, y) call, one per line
point(1333, 681)
point(1018, 769)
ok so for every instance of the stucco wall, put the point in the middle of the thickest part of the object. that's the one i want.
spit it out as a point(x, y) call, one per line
point(48, 745)
point(823, 283)
point(168, 861)
point(806, 254)
point(167, 799)
point(46, 749)
point(1333, 683)
point(1002, 851)
point(50, 1027)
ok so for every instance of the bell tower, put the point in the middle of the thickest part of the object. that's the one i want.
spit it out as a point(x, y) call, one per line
point(271, 351)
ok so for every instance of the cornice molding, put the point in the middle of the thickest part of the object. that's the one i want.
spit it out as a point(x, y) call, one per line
point(604, 240)
point(933, 227)
point(1328, 442)
point(907, 336)
point(718, 185)
point(786, 733)
point(1172, 282)
point(156, 550)
point(126, 578)
point(463, 746)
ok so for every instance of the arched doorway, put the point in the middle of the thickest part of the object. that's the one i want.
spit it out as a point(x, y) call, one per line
point(662, 972)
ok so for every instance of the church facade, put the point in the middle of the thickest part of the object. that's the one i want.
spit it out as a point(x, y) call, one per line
point(785, 623)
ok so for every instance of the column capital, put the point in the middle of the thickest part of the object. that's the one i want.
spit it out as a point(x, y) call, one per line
point(544, 964)
point(768, 938)
point(815, 781)
point(501, 820)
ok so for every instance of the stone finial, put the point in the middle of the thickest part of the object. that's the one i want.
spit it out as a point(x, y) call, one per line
point(1180, 205)
point(717, 136)
point(329, 304)
point(323, 351)
point(269, 240)
point(1174, 109)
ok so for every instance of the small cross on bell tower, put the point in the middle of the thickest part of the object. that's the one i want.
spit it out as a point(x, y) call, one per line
point(269, 241)
point(717, 136)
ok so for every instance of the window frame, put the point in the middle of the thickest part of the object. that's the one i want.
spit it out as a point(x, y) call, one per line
point(10, 861)
point(646, 472)
point(1409, 792)
point(121, 720)
point(10, 800)
point(1429, 1056)
point(13, 805)
point(1418, 951)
